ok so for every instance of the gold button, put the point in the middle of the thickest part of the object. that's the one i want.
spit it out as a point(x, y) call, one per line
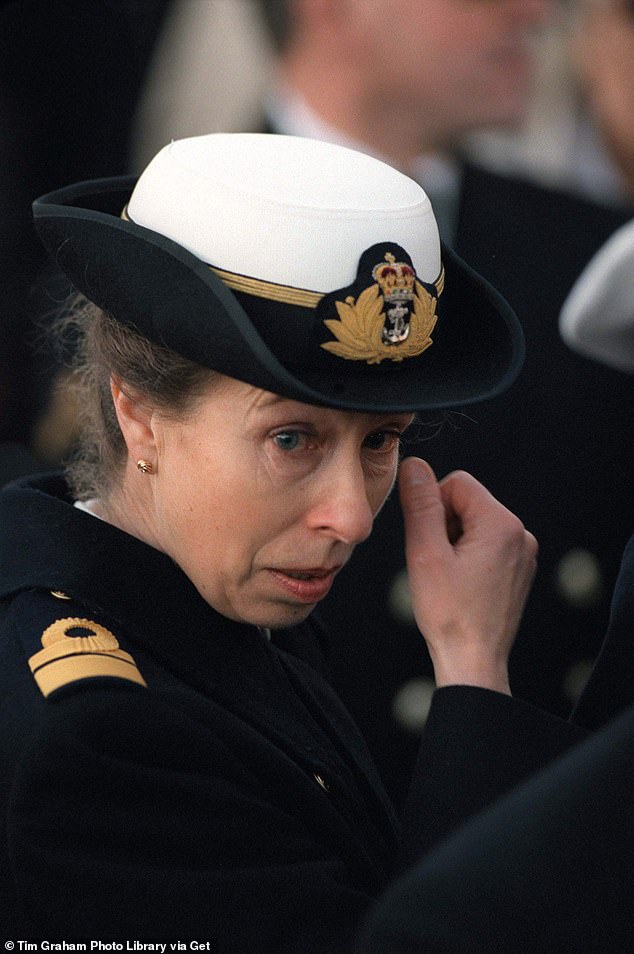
point(576, 678)
point(400, 599)
point(412, 702)
point(59, 595)
point(579, 578)
point(321, 782)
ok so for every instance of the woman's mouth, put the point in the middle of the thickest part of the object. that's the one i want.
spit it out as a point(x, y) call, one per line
point(306, 585)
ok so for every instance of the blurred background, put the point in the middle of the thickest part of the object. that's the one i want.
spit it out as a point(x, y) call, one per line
point(92, 90)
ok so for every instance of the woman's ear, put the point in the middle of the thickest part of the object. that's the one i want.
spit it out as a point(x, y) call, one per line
point(135, 421)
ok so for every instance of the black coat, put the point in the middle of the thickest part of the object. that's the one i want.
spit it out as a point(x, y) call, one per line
point(549, 869)
point(210, 785)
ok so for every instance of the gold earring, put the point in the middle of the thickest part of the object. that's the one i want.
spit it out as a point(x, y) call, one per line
point(144, 466)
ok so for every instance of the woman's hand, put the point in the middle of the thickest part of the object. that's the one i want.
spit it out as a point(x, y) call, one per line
point(471, 564)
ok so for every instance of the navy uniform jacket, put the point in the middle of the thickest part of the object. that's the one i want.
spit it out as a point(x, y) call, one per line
point(166, 772)
point(548, 869)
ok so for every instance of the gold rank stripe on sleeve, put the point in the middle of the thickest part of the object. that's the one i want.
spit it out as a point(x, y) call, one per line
point(67, 658)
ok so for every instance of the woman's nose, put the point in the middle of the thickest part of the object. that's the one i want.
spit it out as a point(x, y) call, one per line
point(342, 508)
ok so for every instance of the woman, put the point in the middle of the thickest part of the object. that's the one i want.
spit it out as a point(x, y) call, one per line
point(171, 769)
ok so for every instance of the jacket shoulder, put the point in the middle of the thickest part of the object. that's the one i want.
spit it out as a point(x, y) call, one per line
point(59, 643)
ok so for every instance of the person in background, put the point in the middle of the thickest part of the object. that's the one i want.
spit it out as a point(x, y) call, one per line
point(70, 75)
point(405, 81)
point(604, 55)
point(549, 868)
point(263, 315)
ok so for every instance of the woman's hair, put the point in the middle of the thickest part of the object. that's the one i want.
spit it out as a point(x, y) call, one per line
point(103, 349)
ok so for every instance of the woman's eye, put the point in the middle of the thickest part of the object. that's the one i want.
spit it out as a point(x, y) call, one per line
point(384, 441)
point(289, 440)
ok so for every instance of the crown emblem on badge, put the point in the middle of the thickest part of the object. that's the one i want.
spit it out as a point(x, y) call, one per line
point(392, 318)
point(396, 281)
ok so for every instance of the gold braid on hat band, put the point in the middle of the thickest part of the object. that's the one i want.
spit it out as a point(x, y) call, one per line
point(286, 294)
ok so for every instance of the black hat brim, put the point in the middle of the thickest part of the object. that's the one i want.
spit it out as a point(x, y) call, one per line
point(176, 300)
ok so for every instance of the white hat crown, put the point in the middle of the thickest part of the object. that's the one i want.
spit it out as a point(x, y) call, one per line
point(283, 209)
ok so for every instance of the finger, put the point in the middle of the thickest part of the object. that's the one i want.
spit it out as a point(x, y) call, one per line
point(467, 501)
point(423, 509)
point(482, 517)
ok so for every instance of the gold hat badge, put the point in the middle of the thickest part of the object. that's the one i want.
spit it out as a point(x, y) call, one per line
point(392, 318)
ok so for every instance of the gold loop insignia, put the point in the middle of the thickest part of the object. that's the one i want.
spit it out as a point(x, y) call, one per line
point(74, 649)
point(391, 319)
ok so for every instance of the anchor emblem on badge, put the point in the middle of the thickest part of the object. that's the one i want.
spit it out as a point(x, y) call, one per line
point(391, 316)
point(396, 281)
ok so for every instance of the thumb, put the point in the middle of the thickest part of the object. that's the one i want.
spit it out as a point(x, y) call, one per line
point(422, 504)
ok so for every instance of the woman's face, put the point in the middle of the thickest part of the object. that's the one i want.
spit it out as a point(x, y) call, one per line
point(261, 500)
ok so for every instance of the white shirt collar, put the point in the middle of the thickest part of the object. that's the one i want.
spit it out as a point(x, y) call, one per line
point(89, 506)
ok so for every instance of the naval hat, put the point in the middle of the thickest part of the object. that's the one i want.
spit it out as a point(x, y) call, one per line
point(597, 317)
point(304, 268)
